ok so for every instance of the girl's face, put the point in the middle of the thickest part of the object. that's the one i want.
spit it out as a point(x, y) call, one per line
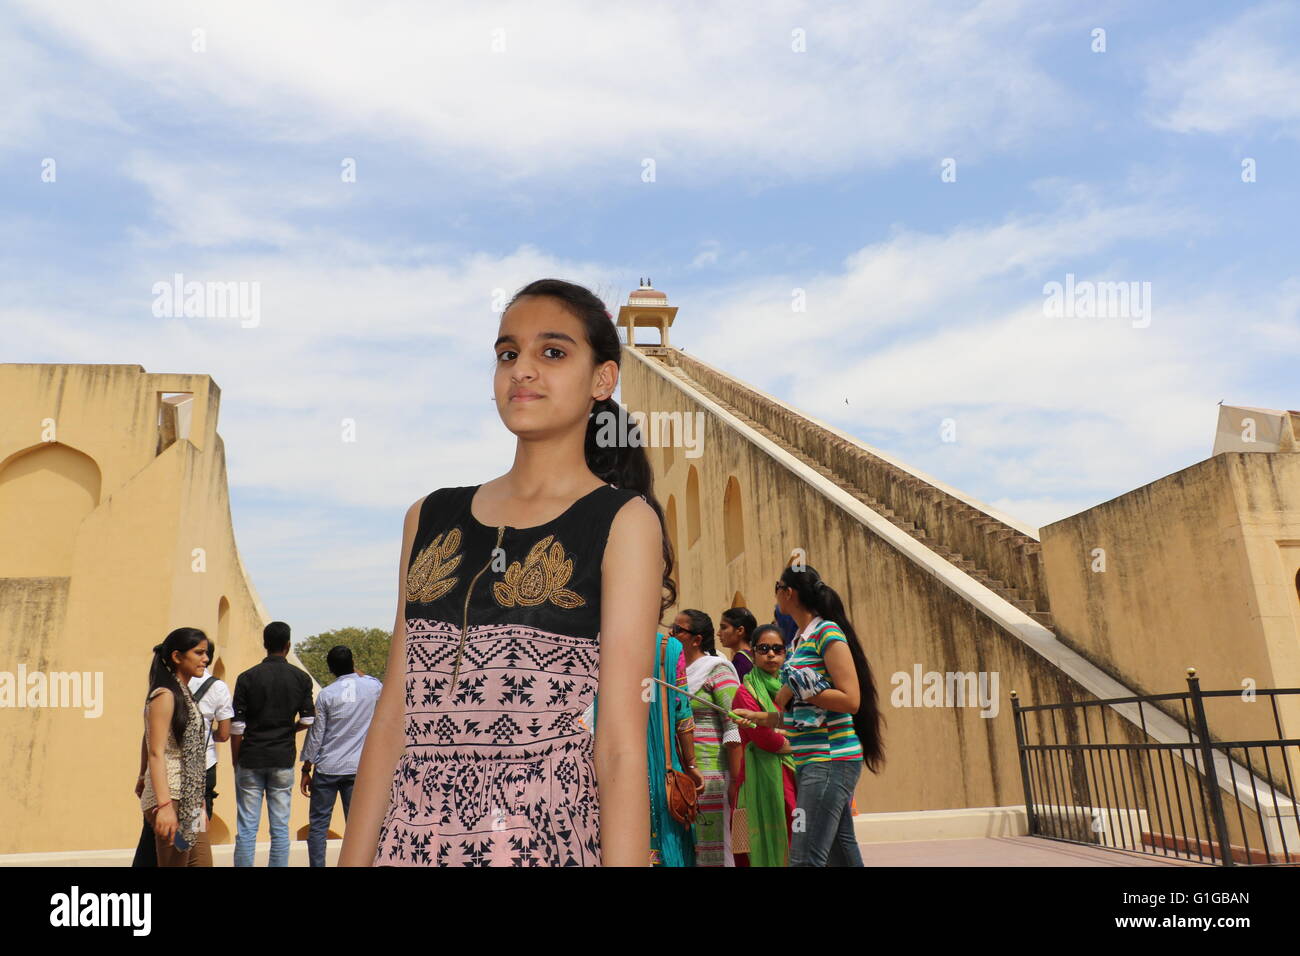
point(545, 381)
point(728, 635)
point(769, 651)
point(193, 662)
point(785, 598)
point(682, 624)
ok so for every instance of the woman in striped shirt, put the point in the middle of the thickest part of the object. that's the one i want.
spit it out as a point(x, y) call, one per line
point(833, 719)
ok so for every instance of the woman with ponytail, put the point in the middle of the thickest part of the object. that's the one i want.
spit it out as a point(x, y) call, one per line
point(834, 720)
point(173, 762)
point(522, 602)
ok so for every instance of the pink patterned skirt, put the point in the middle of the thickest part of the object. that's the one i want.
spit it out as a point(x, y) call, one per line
point(501, 773)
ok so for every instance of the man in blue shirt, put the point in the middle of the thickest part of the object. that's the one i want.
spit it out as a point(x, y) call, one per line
point(333, 746)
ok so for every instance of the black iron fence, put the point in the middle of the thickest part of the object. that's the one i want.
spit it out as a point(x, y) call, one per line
point(1151, 783)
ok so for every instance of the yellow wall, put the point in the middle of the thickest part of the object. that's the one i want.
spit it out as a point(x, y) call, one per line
point(1200, 571)
point(98, 566)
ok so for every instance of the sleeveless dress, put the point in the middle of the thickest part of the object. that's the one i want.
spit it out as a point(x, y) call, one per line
point(186, 764)
point(502, 661)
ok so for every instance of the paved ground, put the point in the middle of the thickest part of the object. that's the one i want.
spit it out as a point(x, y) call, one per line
point(1005, 851)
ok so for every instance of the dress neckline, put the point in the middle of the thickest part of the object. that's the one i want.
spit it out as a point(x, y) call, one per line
point(470, 508)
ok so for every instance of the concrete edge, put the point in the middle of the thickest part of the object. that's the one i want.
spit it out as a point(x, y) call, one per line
point(964, 823)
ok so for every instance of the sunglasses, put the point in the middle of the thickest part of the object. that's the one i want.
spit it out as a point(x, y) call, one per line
point(770, 648)
point(678, 629)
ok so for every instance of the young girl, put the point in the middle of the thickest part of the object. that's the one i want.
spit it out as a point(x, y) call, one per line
point(833, 720)
point(767, 787)
point(735, 632)
point(173, 762)
point(521, 601)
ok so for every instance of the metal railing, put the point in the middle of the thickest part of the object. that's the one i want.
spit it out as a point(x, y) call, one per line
point(1198, 799)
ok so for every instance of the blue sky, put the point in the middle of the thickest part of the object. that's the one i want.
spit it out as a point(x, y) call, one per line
point(480, 169)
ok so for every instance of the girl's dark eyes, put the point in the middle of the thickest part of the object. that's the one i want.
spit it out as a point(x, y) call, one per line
point(505, 355)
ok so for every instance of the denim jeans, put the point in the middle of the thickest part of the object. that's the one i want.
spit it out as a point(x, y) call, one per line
point(324, 788)
point(250, 784)
point(826, 838)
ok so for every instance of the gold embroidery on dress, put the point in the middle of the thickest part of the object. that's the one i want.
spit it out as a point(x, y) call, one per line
point(427, 578)
point(542, 577)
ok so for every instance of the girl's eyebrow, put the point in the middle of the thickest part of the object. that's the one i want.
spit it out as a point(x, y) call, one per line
point(501, 340)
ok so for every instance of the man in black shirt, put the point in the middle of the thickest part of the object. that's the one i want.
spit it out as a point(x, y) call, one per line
point(272, 703)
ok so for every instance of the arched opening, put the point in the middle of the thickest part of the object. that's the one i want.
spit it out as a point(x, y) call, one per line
point(46, 492)
point(223, 623)
point(732, 522)
point(692, 507)
point(670, 519)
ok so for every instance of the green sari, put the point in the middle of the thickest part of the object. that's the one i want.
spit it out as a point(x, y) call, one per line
point(763, 792)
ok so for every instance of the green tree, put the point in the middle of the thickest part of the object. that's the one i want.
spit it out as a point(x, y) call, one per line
point(369, 646)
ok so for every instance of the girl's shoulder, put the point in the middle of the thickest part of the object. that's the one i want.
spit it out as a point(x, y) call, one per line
point(824, 633)
point(827, 627)
point(155, 694)
point(723, 670)
point(442, 507)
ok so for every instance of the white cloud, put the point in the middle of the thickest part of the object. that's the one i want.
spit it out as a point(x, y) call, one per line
point(929, 326)
point(1240, 76)
point(709, 91)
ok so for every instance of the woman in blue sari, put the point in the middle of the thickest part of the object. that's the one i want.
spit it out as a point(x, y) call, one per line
point(671, 844)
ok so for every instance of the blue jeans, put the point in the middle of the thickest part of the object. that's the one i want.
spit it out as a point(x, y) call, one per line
point(250, 784)
point(826, 837)
point(324, 787)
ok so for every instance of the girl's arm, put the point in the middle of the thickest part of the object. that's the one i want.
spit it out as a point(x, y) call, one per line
point(771, 718)
point(631, 577)
point(161, 706)
point(844, 697)
point(761, 736)
point(385, 739)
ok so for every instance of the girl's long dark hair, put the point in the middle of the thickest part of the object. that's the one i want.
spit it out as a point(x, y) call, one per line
point(625, 465)
point(162, 673)
point(702, 625)
point(820, 598)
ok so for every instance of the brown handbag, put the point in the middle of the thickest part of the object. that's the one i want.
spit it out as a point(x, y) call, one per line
point(683, 800)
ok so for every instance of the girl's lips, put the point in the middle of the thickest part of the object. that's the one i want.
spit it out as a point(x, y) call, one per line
point(524, 398)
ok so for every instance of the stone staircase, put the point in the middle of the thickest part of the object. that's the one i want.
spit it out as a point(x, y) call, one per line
point(954, 512)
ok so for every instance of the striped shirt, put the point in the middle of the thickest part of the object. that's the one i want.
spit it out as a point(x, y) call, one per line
point(835, 739)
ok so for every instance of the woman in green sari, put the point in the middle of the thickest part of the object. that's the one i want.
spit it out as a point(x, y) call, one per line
point(767, 788)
